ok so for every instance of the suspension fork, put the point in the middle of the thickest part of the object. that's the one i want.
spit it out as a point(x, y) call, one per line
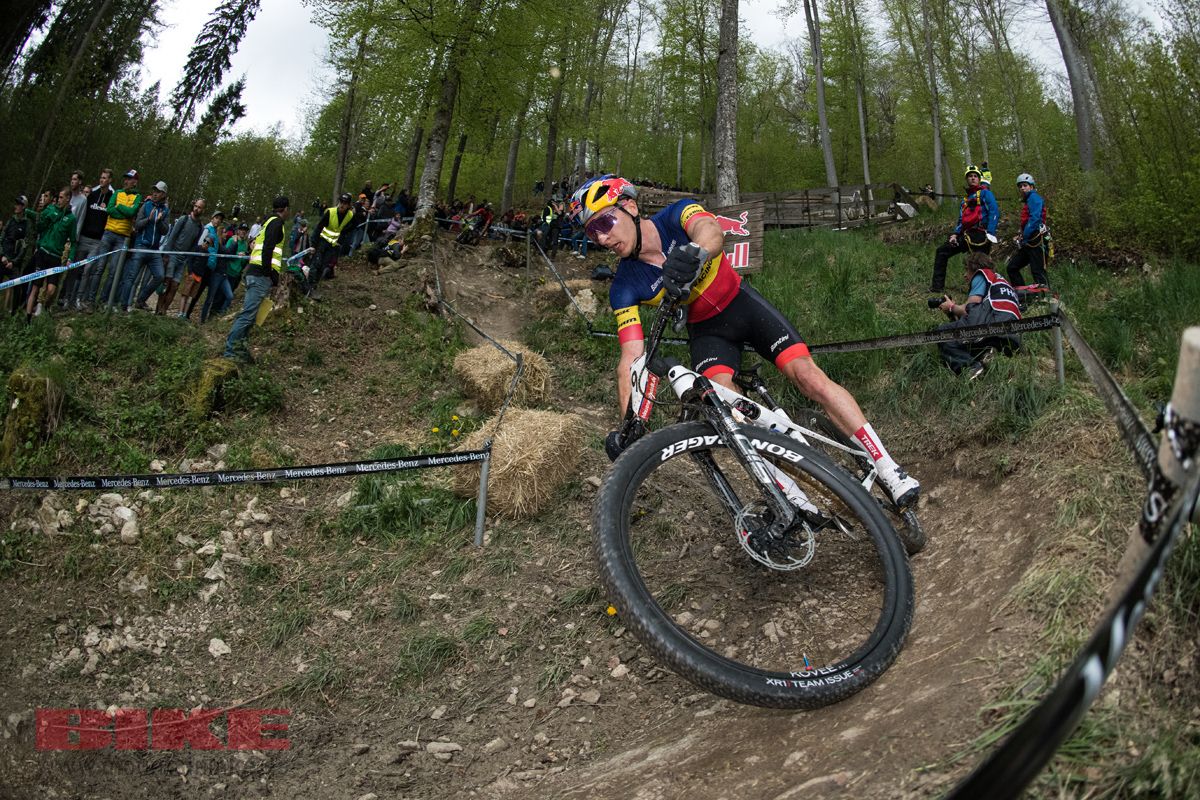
point(723, 422)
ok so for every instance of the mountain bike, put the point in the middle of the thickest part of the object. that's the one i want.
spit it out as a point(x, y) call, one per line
point(744, 559)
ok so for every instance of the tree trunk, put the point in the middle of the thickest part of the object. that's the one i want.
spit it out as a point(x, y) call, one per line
point(966, 137)
point(552, 120)
point(813, 20)
point(339, 170)
point(934, 108)
point(414, 151)
point(862, 136)
point(725, 134)
point(462, 148)
point(679, 161)
point(1080, 97)
point(510, 167)
point(431, 176)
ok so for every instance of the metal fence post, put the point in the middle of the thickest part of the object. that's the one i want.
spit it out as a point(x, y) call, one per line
point(117, 272)
point(1056, 335)
point(481, 500)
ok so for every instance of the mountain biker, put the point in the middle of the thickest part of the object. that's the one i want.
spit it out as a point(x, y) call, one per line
point(1031, 241)
point(678, 253)
point(976, 230)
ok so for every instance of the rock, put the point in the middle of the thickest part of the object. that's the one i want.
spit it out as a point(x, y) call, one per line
point(443, 747)
point(530, 703)
point(372, 307)
point(157, 466)
point(368, 796)
point(568, 696)
point(268, 539)
point(129, 532)
point(206, 594)
point(261, 516)
point(512, 696)
point(216, 572)
point(541, 738)
point(134, 584)
point(620, 671)
point(218, 648)
point(185, 540)
point(217, 451)
point(438, 712)
point(496, 745)
point(207, 549)
point(111, 499)
point(591, 697)
point(361, 749)
point(594, 481)
point(123, 514)
point(391, 312)
point(344, 499)
point(286, 492)
point(343, 615)
point(409, 746)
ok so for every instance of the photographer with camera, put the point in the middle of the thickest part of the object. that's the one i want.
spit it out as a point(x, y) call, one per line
point(990, 299)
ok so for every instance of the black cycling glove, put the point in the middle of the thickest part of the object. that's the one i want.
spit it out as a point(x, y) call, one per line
point(681, 269)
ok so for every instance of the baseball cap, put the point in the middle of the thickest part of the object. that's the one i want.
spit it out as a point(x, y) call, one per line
point(133, 173)
point(220, 214)
point(161, 185)
point(22, 199)
point(345, 198)
point(245, 226)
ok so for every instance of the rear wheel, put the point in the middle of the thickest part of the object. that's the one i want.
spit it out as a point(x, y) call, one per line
point(705, 576)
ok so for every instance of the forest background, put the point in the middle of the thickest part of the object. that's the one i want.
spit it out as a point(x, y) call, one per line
point(490, 96)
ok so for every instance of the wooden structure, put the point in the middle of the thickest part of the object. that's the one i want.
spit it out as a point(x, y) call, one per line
point(837, 207)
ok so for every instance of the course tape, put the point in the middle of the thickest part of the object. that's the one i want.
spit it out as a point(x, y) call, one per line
point(42, 273)
point(567, 291)
point(1129, 422)
point(1029, 747)
point(230, 477)
point(1026, 325)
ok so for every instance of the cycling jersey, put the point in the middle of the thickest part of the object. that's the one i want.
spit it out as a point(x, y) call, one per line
point(639, 283)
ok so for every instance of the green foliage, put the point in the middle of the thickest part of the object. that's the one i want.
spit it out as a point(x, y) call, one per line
point(395, 508)
point(253, 390)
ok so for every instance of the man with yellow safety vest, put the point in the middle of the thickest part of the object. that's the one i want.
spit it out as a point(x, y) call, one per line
point(261, 274)
point(334, 221)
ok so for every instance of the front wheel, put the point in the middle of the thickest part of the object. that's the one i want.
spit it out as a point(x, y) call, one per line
point(696, 565)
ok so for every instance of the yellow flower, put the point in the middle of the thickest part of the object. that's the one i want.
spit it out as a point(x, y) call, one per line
point(612, 611)
point(436, 429)
point(454, 432)
point(454, 417)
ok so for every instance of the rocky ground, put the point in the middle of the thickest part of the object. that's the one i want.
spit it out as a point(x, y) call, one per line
point(434, 669)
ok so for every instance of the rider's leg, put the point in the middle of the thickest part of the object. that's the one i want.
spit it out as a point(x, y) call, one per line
point(843, 409)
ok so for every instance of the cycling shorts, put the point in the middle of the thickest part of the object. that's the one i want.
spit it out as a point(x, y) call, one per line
point(716, 343)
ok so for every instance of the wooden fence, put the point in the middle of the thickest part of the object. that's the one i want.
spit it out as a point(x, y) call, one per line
point(837, 207)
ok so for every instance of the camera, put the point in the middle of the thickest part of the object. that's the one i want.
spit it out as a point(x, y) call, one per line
point(934, 302)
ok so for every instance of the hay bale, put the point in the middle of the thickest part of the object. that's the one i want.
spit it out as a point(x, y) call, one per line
point(533, 455)
point(33, 412)
point(485, 374)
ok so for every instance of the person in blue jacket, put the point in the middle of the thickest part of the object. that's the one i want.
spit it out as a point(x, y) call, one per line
point(976, 230)
point(1033, 240)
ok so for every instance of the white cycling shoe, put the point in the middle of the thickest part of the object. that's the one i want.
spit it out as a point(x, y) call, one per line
point(904, 489)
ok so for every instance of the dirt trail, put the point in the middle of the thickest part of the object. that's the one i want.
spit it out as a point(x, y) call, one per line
point(533, 703)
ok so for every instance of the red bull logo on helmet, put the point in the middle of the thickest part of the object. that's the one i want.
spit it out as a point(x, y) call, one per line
point(735, 227)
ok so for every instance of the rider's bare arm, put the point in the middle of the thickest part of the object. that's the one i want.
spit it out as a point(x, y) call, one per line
point(629, 353)
point(706, 232)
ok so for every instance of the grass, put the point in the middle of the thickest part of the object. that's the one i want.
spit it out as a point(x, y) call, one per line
point(422, 657)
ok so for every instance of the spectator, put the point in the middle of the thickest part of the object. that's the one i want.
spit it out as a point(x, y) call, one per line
point(182, 238)
point(238, 246)
point(358, 230)
point(91, 229)
point(262, 273)
point(990, 299)
point(976, 229)
point(380, 202)
point(255, 228)
point(79, 194)
point(56, 229)
point(200, 273)
point(402, 206)
point(1033, 239)
point(151, 225)
point(333, 227)
point(549, 228)
point(122, 207)
point(12, 246)
point(301, 271)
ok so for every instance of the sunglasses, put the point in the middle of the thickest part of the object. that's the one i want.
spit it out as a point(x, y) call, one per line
point(600, 224)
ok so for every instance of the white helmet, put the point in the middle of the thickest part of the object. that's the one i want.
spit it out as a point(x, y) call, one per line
point(1025, 177)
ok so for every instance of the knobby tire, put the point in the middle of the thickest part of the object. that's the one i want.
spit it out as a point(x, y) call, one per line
point(670, 559)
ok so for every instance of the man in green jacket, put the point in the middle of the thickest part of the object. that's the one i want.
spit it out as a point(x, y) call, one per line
point(56, 233)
